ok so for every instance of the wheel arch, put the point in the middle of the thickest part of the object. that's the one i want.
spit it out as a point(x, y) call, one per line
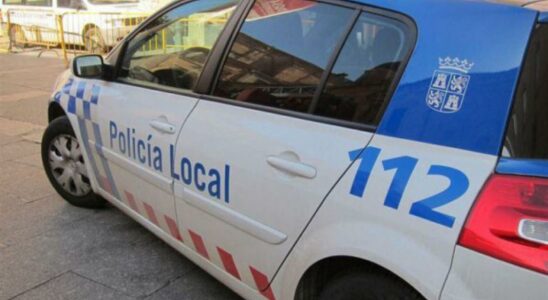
point(364, 243)
point(87, 27)
point(55, 110)
point(326, 269)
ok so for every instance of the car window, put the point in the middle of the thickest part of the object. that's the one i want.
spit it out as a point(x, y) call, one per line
point(70, 3)
point(38, 2)
point(171, 51)
point(279, 55)
point(29, 2)
point(527, 133)
point(361, 78)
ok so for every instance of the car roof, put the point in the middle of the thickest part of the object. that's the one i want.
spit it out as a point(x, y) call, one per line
point(537, 5)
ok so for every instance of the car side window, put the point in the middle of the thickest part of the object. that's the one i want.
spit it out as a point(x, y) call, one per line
point(70, 3)
point(38, 2)
point(171, 51)
point(358, 85)
point(279, 55)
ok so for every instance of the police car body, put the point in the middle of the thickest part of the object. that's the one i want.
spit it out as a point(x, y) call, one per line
point(324, 149)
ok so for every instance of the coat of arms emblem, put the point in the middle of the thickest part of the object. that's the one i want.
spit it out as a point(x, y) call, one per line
point(449, 85)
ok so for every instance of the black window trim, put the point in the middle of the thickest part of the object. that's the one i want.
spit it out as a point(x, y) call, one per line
point(213, 66)
point(218, 62)
point(332, 61)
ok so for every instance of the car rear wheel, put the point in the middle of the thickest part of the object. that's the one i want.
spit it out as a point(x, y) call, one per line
point(17, 37)
point(94, 42)
point(65, 166)
point(361, 285)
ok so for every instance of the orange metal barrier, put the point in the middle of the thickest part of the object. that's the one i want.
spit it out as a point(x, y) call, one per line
point(71, 33)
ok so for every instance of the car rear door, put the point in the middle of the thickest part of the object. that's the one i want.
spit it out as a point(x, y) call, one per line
point(409, 192)
point(256, 158)
point(131, 124)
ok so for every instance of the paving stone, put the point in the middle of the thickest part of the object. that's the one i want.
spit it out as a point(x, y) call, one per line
point(7, 139)
point(42, 81)
point(136, 271)
point(34, 160)
point(10, 89)
point(83, 242)
point(14, 128)
point(36, 135)
point(197, 285)
point(22, 95)
point(29, 183)
point(8, 201)
point(22, 222)
point(71, 286)
point(30, 110)
point(11, 62)
point(17, 149)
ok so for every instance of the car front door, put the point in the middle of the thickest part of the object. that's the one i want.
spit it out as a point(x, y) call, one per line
point(303, 83)
point(132, 123)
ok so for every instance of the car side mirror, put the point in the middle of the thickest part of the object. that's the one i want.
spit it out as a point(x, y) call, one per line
point(88, 66)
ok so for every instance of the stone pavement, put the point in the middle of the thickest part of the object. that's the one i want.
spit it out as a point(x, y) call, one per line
point(51, 250)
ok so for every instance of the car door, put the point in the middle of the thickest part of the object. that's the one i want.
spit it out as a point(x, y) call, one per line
point(255, 160)
point(133, 122)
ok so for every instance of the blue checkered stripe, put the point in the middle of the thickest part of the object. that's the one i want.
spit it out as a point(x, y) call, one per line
point(81, 98)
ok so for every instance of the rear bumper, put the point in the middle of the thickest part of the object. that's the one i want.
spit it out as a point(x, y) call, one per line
point(476, 276)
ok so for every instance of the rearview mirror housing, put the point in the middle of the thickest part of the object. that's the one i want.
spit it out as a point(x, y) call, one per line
point(88, 66)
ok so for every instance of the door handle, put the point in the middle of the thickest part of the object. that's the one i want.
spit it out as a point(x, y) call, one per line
point(292, 167)
point(162, 126)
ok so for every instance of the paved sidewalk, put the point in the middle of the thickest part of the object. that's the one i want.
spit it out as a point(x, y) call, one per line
point(51, 250)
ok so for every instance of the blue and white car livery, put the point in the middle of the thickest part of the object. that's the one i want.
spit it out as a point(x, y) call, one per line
point(305, 149)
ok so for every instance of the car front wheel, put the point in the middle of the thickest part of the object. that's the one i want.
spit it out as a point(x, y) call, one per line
point(65, 166)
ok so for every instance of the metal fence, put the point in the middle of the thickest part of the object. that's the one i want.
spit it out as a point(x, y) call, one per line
point(71, 33)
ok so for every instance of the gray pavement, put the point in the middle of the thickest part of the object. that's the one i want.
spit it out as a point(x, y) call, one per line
point(51, 250)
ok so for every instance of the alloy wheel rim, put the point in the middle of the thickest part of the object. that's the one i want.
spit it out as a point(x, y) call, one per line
point(67, 165)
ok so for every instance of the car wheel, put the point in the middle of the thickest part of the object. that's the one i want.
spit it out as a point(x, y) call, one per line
point(17, 37)
point(65, 167)
point(359, 285)
point(94, 42)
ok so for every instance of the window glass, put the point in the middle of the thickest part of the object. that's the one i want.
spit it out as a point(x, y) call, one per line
point(359, 83)
point(172, 50)
point(13, 2)
point(38, 2)
point(527, 133)
point(70, 3)
point(281, 52)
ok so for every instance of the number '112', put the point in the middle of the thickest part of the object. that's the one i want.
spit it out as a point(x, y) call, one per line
point(404, 167)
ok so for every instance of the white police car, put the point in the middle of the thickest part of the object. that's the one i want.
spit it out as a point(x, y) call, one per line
point(324, 149)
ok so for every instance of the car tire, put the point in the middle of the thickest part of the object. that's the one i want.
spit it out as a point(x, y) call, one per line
point(65, 167)
point(17, 37)
point(93, 41)
point(360, 285)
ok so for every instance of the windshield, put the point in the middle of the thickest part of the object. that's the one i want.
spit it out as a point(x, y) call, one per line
point(100, 2)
